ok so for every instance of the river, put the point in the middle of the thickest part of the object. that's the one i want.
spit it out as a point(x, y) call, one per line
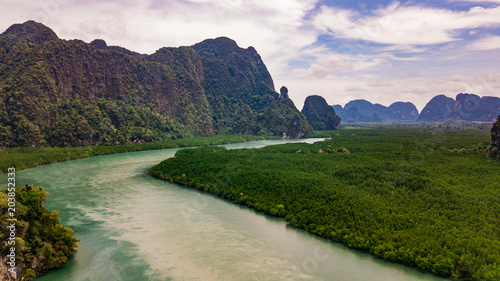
point(132, 226)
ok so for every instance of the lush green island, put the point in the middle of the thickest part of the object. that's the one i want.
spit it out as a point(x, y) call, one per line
point(429, 198)
point(41, 241)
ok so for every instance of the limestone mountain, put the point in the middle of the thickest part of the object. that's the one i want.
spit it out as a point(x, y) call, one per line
point(56, 92)
point(319, 114)
point(365, 111)
point(467, 107)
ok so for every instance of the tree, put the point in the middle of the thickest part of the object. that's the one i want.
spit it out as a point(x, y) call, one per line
point(495, 139)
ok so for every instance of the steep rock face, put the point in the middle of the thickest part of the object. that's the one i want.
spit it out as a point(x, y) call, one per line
point(467, 107)
point(234, 77)
point(283, 93)
point(67, 93)
point(437, 109)
point(241, 92)
point(319, 114)
point(55, 92)
point(403, 111)
point(495, 139)
point(282, 117)
point(365, 111)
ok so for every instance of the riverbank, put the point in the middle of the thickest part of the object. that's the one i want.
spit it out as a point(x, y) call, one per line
point(27, 157)
point(114, 206)
point(406, 195)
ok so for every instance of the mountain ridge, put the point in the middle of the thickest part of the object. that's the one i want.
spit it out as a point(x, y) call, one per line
point(465, 107)
point(361, 110)
point(56, 92)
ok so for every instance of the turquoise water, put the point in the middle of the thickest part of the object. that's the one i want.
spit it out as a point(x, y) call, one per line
point(134, 227)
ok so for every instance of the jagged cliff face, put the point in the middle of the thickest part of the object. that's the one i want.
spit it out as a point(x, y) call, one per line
point(319, 114)
point(66, 93)
point(282, 118)
point(466, 107)
point(55, 92)
point(234, 77)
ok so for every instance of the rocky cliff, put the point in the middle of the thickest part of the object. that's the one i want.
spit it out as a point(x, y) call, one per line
point(467, 107)
point(319, 114)
point(57, 92)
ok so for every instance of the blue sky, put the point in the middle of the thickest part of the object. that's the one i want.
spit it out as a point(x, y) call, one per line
point(382, 51)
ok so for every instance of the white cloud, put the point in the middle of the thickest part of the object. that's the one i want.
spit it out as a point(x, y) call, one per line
point(424, 73)
point(380, 84)
point(406, 25)
point(376, 89)
point(487, 43)
point(276, 28)
point(328, 63)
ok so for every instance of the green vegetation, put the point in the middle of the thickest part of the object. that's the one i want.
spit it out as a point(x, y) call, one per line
point(241, 92)
point(68, 93)
point(27, 157)
point(41, 242)
point(428, 198)
point(495, 139)
point(59, 93)
point(319, 114)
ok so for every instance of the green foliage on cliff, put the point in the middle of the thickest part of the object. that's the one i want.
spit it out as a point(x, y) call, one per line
point(281, 117)
point(41, 242)
point(320, 115)
point(241, 92)
point(426, 198)
point(69, 93)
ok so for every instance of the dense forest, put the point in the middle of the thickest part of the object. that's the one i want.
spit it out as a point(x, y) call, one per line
point(70, 93)
point(428, 198)
point(42, 242)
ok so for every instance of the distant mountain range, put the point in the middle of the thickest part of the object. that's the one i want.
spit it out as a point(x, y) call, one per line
point(466, 107)
point(56, 92)
point(364, 111)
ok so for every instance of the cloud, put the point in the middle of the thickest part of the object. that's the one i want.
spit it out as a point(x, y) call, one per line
point(424, 73)
point(405, 25)
point(328, 63)
point(379, 84)
point(476, 1)
point(487, 43)
point(354, 88)
point(276, 28)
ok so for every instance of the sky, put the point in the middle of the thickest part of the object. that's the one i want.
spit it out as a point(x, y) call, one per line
point(381, 51)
